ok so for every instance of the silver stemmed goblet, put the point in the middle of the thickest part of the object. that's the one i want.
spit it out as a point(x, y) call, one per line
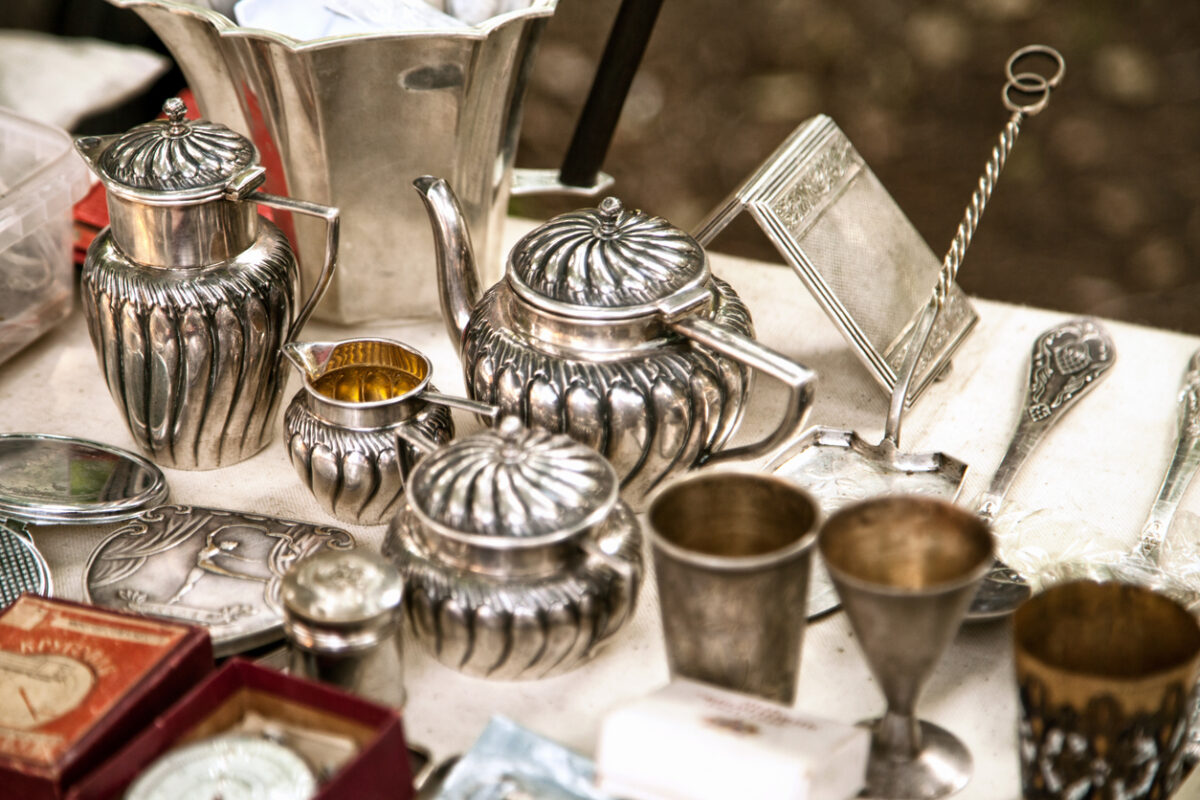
point(906, 568)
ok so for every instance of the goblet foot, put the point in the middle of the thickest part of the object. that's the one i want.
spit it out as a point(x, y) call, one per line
point(941, 767)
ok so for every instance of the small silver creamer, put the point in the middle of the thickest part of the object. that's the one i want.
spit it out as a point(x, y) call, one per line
point(190, 293)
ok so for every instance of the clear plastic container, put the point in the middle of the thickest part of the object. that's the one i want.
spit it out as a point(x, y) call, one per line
point(41, 178)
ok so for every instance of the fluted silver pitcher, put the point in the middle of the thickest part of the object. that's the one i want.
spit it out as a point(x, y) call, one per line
point(190, 293)
point(349, 121)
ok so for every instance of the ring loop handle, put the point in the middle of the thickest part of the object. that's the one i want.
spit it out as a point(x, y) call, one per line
point(1031, 83)
point(1035, 50)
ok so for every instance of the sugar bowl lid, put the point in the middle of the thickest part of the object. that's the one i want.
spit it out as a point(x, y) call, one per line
point(608, 262)
point(170, 160)
point(514, 483)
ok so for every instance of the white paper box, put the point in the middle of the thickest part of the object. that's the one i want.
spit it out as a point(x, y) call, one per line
point(689, 741)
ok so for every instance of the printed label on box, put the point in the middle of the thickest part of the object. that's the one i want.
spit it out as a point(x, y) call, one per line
point(62, 668)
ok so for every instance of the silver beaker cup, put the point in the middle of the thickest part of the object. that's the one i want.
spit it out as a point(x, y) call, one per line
point(733, 552)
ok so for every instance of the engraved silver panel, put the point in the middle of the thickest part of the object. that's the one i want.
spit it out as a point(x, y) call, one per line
point(860, 257)
point(205, 566)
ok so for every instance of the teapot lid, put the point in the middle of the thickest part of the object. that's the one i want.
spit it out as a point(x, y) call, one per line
point(514, 482)
point(608, 262)
point(175, 158)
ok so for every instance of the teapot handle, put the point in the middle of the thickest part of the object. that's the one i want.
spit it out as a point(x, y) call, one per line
point(800, 380)
point(408, 440)
point(332, 219)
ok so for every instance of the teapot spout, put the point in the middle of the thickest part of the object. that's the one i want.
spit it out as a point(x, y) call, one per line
point(309, 357)
point(458, 280)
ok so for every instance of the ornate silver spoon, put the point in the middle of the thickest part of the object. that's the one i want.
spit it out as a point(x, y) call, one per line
point(1068, 360)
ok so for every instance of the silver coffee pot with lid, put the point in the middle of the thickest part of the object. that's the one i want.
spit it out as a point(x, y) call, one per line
point(190, 292)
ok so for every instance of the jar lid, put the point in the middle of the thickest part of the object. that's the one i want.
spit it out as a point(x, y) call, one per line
point(341, 587)
point(607, 262)
point(514, 482)
point(51, 480)
point(185, 159)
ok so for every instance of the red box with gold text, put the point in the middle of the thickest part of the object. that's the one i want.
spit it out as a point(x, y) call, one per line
point(77, 682)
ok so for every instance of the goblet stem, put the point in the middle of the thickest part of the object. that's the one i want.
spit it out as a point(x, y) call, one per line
point(898, 735)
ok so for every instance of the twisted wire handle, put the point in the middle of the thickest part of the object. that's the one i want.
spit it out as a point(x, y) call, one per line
point(1027, 82)
point(979, 201)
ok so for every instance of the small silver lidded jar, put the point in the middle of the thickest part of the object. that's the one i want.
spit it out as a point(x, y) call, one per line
point(341, 427)
point(341, 616)
point(519, 559)
point(190, 293)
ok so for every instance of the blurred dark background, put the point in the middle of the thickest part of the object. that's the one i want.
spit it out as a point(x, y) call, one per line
point(1098, 210)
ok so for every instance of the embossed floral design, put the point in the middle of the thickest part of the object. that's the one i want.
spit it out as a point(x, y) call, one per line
point(1100, 753)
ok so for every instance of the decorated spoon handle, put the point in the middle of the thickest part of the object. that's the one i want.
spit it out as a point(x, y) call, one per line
point(1067, 361)
point(1183, 464)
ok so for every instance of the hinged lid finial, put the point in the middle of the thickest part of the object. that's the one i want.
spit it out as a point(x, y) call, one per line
point(176, 112)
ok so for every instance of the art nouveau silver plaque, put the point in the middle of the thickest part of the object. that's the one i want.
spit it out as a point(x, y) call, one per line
point(858, 254)
point(205, 566)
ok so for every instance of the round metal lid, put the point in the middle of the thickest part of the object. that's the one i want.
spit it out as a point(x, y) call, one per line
point(46, 479)
point(187, 159)
point(513, 482)
point(607, 262)
point(339, 587)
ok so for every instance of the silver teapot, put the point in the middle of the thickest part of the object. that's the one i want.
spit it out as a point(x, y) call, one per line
point(341, 427)
point(190, 293)
point(519, 558)
point(609, 327)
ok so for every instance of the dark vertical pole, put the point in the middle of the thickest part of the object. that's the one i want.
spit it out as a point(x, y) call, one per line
point(622, 54)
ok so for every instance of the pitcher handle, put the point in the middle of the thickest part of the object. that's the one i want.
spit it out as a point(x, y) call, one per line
point(333, 225)
point(800, 380)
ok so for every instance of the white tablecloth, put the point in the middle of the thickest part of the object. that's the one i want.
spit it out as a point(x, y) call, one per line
point(1101, 468)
